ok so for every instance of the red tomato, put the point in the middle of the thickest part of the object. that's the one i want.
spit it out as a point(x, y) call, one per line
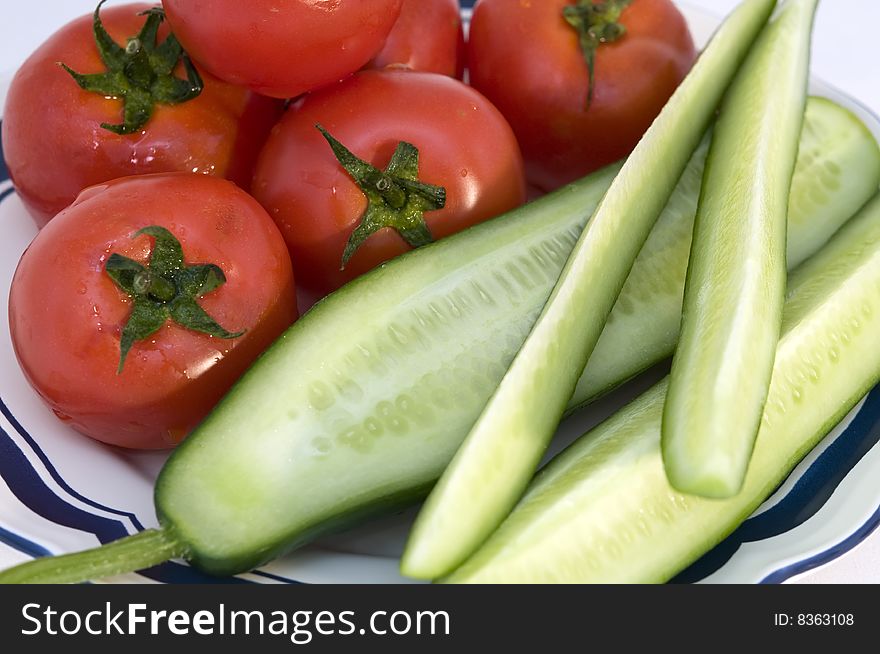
point(464, 143)
point(67, 315)
point(282, 49)
point(428, 36)
point(54, 143)
point(526, 59)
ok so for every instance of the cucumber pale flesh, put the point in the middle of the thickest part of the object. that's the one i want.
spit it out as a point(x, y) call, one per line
point(736, 273)
point(501, 453)
point(603, 510)
point(837, 171)
point(351, 449)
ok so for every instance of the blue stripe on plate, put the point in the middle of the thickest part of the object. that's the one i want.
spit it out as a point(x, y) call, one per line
point(830, 554)
point(31, 491)
point(809, 494)
point(55, 474)
point(26, 484)
point(274, 577)
point(22, 544)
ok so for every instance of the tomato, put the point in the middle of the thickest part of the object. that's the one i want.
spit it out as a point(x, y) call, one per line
point(525, 57)
point(428, 36)
point(54, 143)
point(68, 318)
point(282, 48)
point(464, 145)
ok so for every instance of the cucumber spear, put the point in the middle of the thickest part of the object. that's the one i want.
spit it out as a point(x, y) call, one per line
point(603, 510)
point(499, 456)
point(736, 276)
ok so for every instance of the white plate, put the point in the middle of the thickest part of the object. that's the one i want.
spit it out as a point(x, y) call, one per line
point(61, 492)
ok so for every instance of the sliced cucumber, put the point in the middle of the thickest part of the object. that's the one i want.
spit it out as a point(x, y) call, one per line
point(838, 169)
point(834, 145)
point(603, 510)
point(736, 274)
point(501, 453)
point(463, 305)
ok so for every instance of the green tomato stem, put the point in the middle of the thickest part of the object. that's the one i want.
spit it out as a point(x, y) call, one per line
point(165, 289)
point(595, 23)
point(157, 286)
point(396, 198)
point(141, 74)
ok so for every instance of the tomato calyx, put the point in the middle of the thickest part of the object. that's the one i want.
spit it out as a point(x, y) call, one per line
point(166, 288)
point(595, 23)
point(395, 197)
point(141, 73)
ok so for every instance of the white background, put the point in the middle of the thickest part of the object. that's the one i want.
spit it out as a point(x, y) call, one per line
point(846, 53)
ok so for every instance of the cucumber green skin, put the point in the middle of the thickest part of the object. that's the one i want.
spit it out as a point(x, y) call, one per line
point(736, 273)
point(603, 511)
point(203, 493)
point(501, 453)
